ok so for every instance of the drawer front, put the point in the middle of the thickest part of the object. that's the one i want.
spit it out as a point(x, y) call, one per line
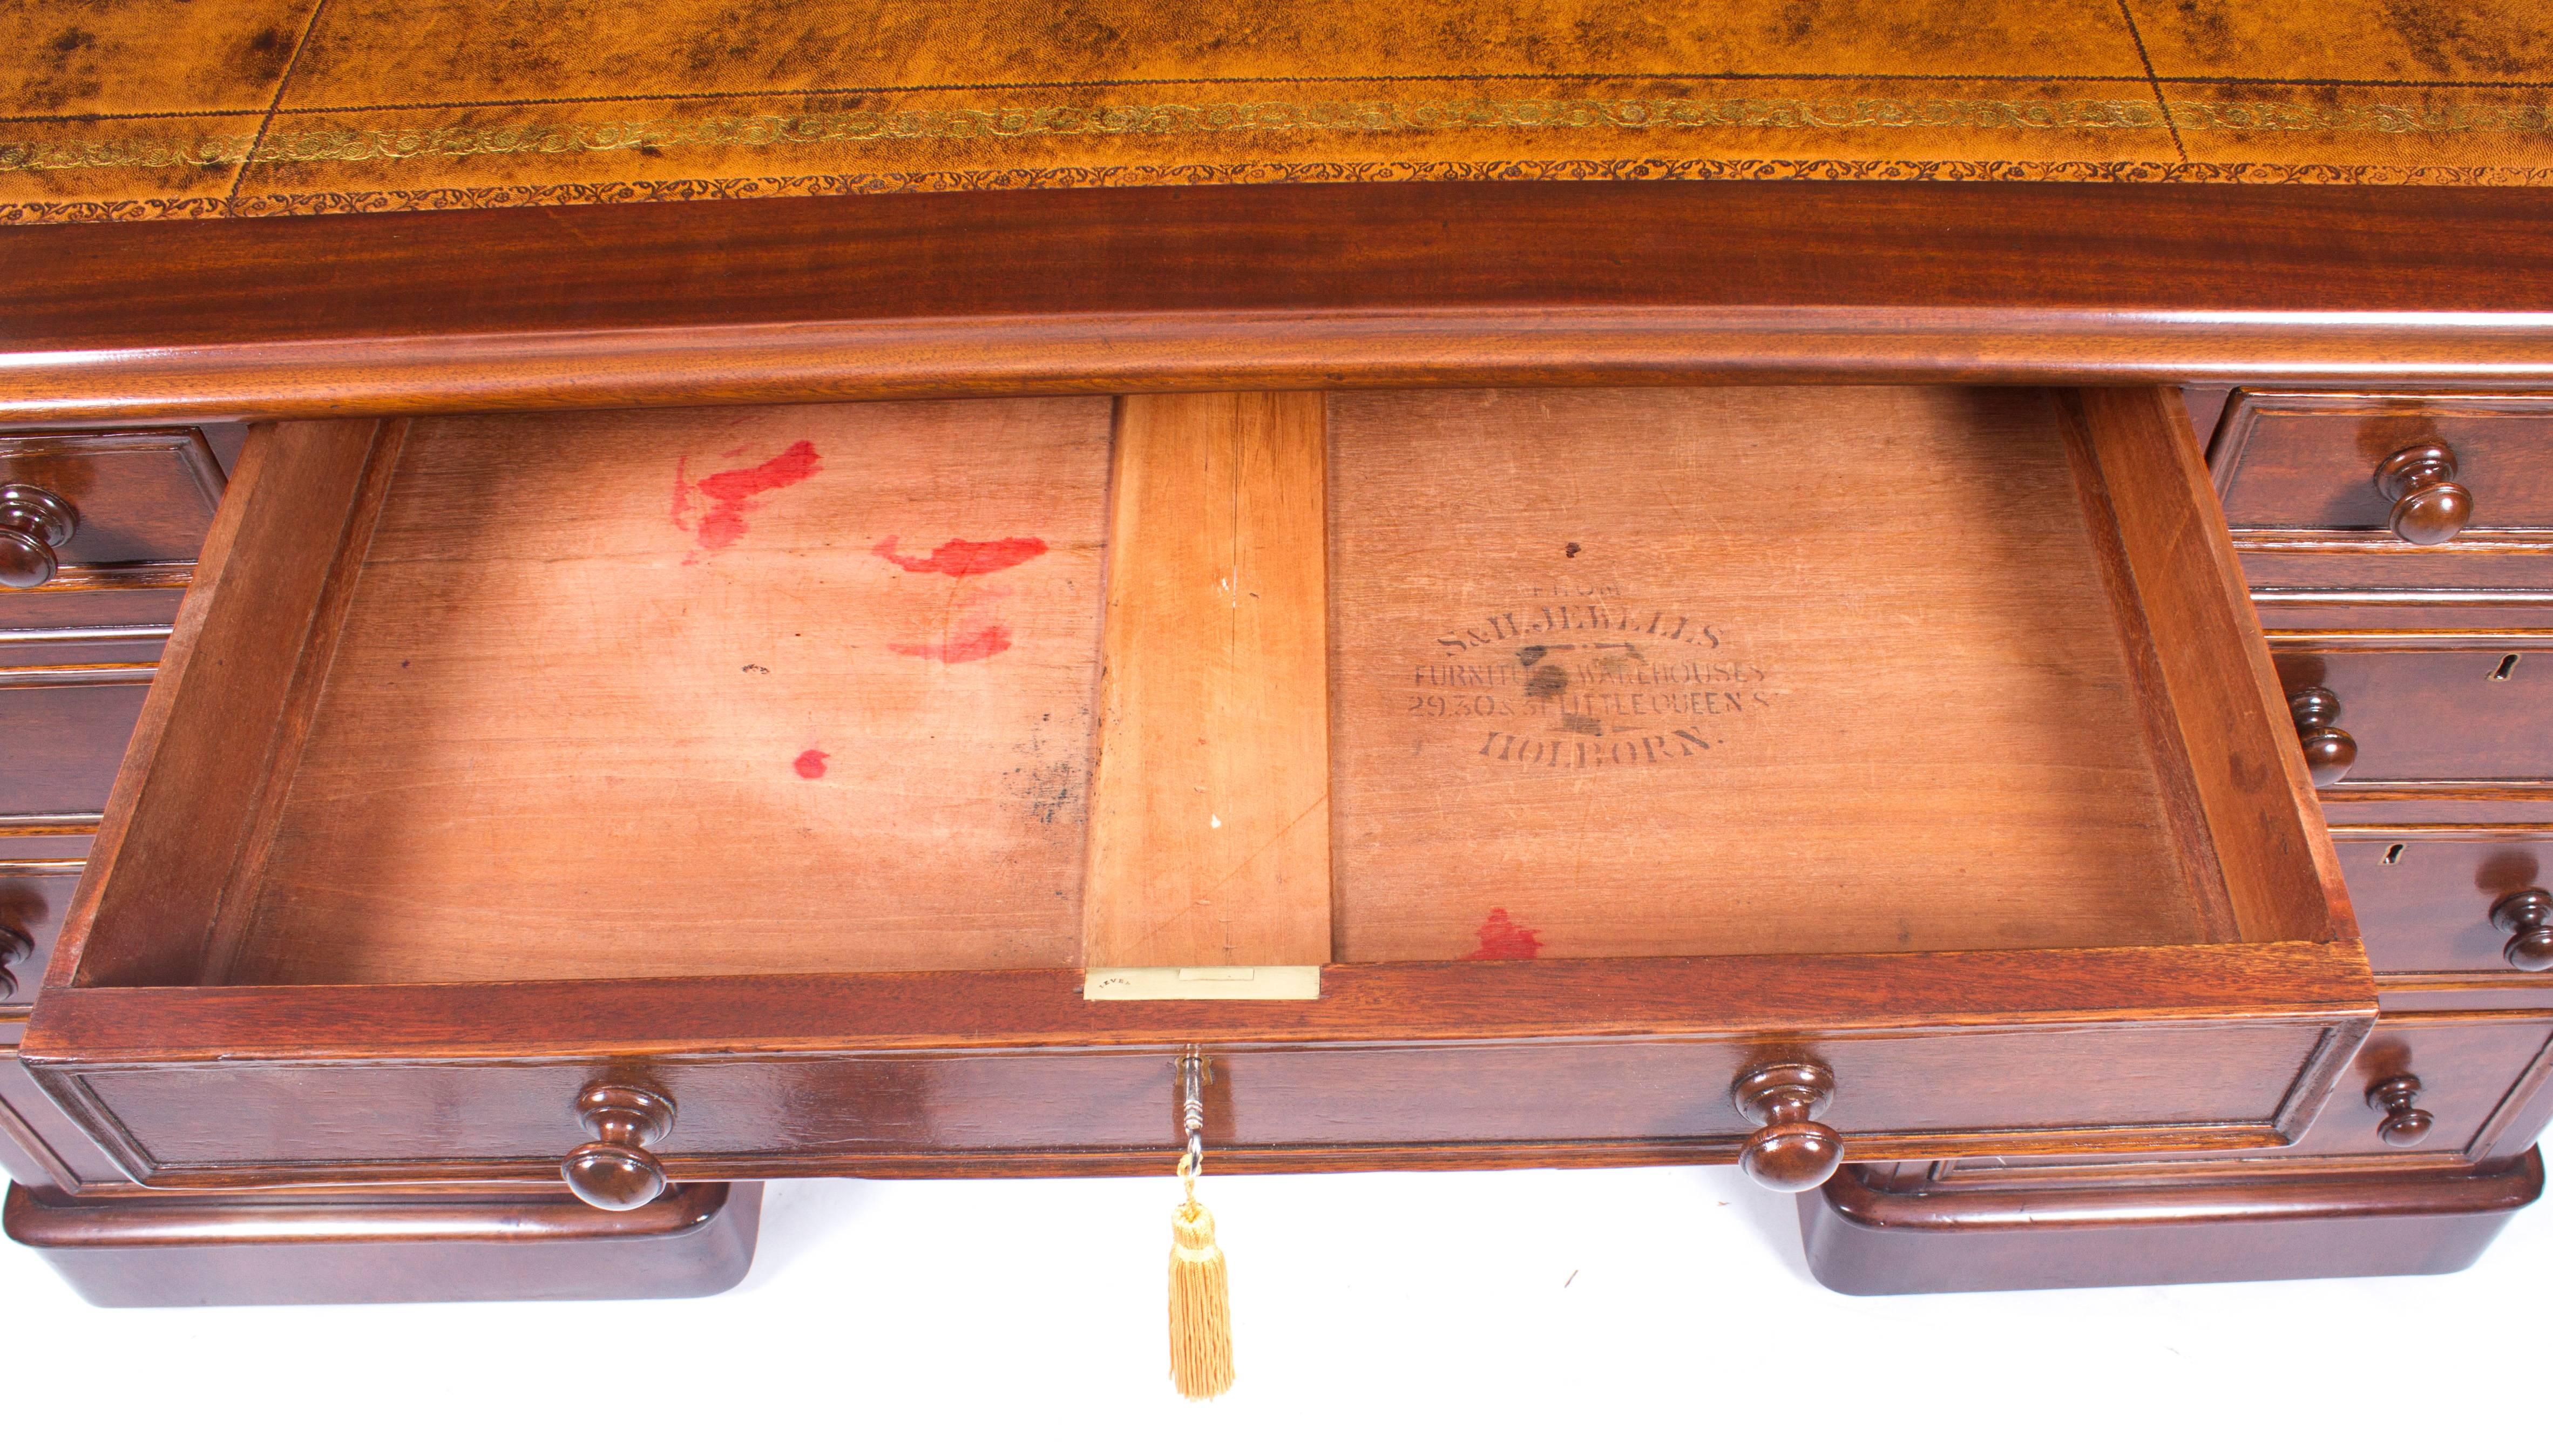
point(63, 732)
point(2427, 717)
point(2484, 1091)
point(134, 495)
point(33, 896)
point(2309, 461)
point(2400, 506)
point(1545, 1104)
point(30, 621)
point(2424, 902)
point(2478, 1078)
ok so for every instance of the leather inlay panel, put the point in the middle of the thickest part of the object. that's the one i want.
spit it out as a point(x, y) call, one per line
point(257, 106)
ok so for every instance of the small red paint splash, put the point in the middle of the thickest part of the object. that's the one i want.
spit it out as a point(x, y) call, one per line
point(973, 648)
point(1502, 939)
point(966, 558)
point(722, 525)
point(811, 764)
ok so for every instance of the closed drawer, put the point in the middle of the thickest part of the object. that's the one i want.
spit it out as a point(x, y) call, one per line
point(63, 731)
point(830, 806)
point(2426, 1087)
point(2297, 461)
point(34, 895)
point(2415, 715)
point(2426, 896)
point(98, 507)
point(2477, 1075)
point(2339, 498)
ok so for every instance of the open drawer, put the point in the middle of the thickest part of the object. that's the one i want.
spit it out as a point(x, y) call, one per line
point(826, 777)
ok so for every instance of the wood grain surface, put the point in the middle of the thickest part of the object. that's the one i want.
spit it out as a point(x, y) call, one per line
point(490, 801)
point(1806, 670)
point(2370, 1220)
point(197, 768)
point(722, 690)
point(2237, 737)
point(131, 1249)
point(63, 732)
point(2394, 703)
point(2299, 459)
point(1209, 819)
point(1340, 1106)
point(1144, 290)
point(140, 495)
point(2424, 893)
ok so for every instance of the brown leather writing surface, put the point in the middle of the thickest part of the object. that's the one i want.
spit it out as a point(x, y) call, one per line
point(267, 106)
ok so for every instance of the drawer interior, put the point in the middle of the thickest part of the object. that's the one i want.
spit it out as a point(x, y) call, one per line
point(1534, 766)
point(1460, 675)
point(703, 691)
point(1649, 672)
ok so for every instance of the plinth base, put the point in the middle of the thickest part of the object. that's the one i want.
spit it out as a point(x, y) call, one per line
point(2197, 1228)
point(391, 1245)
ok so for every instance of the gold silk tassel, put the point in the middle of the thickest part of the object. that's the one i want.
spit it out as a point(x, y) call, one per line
point(1200, 1290)
point(1200, 1300)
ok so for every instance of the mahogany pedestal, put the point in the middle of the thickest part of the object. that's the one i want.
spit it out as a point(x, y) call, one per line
point(410, 1245)
point(1866, 1240)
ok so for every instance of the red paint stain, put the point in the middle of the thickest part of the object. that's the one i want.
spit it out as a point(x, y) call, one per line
point(811, 764)
point(722, 523)
point(1502, 939)
point(973, 648)
point(966, 558)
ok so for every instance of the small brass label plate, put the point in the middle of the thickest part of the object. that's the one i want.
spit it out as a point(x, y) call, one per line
point(1201, 983)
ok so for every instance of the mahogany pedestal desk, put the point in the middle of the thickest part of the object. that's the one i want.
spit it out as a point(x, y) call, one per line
point(1511, 674)
point(600, 604)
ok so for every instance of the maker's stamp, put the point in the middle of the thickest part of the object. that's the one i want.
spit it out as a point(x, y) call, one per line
point(1560, 686)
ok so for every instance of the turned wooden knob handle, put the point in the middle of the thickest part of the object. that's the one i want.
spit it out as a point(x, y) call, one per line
point(2404, 1125)
point(2328, 751)
point(15, 947)
point(2428, 506)
point(615, 1170)
point(33, 524)
point(2527, 916)
point(1793, 1152)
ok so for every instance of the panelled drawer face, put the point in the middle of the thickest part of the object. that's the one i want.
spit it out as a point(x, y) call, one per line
point(2424, 903)
point(2406, 507)
point(2428, 717)
point(750, 1118)
point(777, 758)
point(2475, 1075)
point(2309, 462)
point(134, 495)
point(112, 521)
point(63, 731)
point(2432, 1086)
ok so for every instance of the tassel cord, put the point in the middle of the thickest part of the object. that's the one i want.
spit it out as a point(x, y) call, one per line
point(1200, 1299)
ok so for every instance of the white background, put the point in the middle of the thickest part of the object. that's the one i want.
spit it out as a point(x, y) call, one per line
point(1643, 1309)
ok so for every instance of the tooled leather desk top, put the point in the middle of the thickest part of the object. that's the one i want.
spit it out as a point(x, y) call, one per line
point(155, 108)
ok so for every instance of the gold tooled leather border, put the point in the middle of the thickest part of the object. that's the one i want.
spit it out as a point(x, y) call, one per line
point(1652, 170)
